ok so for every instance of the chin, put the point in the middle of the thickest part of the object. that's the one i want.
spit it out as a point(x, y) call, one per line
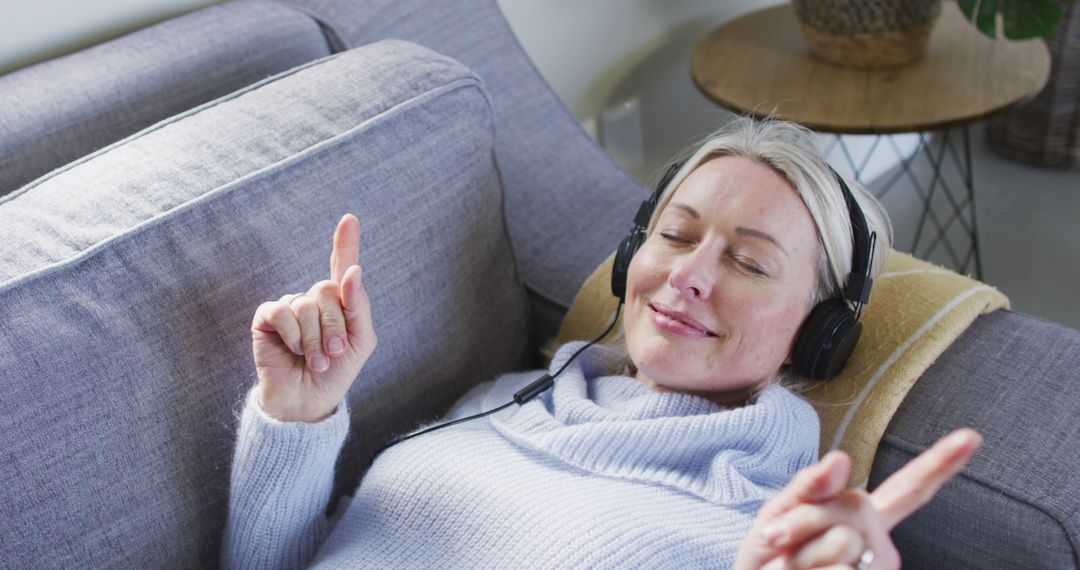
point(649, 350)
point(667, 364)
point(664, 363)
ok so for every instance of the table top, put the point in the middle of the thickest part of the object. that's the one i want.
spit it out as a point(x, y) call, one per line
point(760, 64)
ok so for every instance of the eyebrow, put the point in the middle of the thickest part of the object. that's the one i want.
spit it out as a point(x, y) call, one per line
point(693, 213)
point(749, 232)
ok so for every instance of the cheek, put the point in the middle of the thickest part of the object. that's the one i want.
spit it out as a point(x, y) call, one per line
point(645, 277)
point(770, 322)
point(645, 274)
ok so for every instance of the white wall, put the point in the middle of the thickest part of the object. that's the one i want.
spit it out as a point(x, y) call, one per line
point(622, 67)
point(585, 47)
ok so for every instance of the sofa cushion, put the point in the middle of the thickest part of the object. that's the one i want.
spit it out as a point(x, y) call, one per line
point(129, 279)
point(57, 111)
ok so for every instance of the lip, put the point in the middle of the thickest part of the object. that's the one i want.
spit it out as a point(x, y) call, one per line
point(677, 322)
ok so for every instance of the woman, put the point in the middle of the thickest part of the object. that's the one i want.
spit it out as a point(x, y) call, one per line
point(686, 451)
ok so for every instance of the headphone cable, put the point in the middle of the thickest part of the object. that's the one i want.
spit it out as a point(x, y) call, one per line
point(534, 389)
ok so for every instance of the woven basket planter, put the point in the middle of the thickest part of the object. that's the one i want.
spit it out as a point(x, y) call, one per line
point(867, 33)
point(1044, 130)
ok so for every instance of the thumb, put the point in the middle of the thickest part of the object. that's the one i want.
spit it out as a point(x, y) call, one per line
point(357, 310)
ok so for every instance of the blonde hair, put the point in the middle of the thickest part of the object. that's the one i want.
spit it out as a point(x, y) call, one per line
point(788, 148)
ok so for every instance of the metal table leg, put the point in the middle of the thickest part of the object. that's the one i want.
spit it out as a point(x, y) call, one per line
point(945, 202)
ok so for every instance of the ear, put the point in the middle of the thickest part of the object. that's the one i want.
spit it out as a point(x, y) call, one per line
point(794, 340)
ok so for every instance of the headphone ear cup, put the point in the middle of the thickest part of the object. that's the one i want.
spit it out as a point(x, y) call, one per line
point(826, 341)
point(620, 270)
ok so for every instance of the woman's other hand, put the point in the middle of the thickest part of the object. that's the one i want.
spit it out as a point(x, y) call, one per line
point(816, 522)
point(309, 347)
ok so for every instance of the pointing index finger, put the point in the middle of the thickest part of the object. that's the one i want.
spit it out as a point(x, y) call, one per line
point(346, 247)
point(912, 487)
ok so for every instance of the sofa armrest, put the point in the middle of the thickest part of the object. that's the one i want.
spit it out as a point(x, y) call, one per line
point(1014, 378)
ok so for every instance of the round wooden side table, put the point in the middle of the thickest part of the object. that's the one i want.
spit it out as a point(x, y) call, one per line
point(759, 64)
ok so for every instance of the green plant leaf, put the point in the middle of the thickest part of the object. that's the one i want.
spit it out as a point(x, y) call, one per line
point(968, 8)
point(986, 20)
point(1030, 18)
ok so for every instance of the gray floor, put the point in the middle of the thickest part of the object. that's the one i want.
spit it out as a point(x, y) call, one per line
point(1026, 217)
point(1029, 231)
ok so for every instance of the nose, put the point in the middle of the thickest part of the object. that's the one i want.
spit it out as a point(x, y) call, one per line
point(694, 276)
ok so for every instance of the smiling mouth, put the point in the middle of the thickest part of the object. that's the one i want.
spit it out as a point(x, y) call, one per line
point(678, 323)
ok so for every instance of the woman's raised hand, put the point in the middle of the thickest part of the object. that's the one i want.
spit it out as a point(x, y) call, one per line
point(816, 522)
point(309, 347)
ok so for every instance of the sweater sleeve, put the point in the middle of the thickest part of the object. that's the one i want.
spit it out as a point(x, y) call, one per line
point(282, 476)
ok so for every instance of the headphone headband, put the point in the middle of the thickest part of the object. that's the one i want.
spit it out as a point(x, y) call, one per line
point(857, 287)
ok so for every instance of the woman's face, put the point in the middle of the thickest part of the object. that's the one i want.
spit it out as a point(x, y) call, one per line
point(721, 286)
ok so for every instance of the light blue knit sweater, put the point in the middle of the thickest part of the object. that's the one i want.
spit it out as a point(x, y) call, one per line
point(600, 471)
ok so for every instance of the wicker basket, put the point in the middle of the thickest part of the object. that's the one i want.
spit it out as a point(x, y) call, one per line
point(867, 33)
point(1044, 130)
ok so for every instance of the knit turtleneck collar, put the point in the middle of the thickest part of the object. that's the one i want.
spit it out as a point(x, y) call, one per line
point(615, 426)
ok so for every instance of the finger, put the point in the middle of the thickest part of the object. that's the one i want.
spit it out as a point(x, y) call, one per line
point(357, 310)
point(331, 317)
point(883, 552)
point(278, 318)
point(306, 309)
point(819, 482)
point(907, 490)
point(805, 522)
point(852, 509)
point(783, 563)
point(840, 544)
point(346, 251)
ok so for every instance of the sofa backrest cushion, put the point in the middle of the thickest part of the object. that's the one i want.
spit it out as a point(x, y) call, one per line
point(129, 279)
point(60, 110)
point(568, 203)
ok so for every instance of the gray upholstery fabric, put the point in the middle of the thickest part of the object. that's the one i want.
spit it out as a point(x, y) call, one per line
point(57, 111)
point(126, 294)
point(1015, 378)
point(131, 276)
point(568, 203)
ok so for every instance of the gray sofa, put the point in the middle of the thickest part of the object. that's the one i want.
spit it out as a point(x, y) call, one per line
point(158, 187)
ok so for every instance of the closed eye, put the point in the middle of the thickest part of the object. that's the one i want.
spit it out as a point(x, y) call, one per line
point(673, 238)
point(741, 261)
point(749, 266)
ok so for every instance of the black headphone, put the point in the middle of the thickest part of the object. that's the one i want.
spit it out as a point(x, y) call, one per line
point(830, 332)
